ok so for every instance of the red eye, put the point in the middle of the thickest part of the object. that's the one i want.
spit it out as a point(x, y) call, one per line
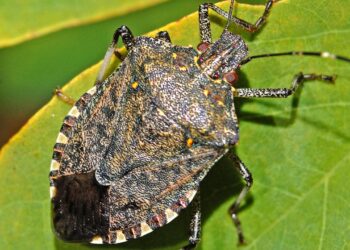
point(215, 75)
point(203, 46)
point(231, 77)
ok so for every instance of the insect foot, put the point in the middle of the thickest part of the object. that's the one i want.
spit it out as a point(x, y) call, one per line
point(58, 92)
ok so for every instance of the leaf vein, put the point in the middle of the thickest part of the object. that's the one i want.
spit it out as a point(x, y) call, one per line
point(324, 214)
point(303, 197)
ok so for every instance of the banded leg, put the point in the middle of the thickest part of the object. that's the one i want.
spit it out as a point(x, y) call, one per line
point(163, 35)
point(204, 22)
point(282, 92)
point(259, 22)
point(243, 170)
point(128, 40)
point(195, 226)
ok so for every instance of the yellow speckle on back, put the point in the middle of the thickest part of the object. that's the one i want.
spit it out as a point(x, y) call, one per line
point(189, 142)
point(220, 103)
point(183, 68)
point(134, 85)
point(206, 92)
point(234, 91)
point(174, 55)
point(160, 112)
point(195, 59)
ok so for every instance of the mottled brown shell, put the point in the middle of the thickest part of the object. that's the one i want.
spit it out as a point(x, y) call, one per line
point(132, 151)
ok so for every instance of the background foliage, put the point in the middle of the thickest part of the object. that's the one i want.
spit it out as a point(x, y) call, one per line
point(298, 154)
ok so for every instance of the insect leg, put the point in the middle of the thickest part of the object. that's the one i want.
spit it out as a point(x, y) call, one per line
point(259, 22)
point(163, 35)
point(128, 40)
point(195, 226)
point(282, 92)
point(204, 23)
point(67, 99)
point(243, 170)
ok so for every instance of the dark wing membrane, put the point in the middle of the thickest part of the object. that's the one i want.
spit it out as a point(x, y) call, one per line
point(148, 197)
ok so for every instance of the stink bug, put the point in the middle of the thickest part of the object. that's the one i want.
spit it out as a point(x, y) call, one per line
point(133, 150)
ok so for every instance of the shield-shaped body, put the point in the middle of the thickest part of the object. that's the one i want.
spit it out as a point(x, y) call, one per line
point(132, 151)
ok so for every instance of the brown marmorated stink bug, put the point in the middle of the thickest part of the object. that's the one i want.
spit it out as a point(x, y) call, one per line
point(132, 151)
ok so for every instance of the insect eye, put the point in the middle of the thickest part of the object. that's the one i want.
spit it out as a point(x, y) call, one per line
point(202, 47)
point(231, 77)
point(189, 142)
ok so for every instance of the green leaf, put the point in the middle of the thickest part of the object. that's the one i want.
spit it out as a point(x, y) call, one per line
point(33, 18)
point(300, 198)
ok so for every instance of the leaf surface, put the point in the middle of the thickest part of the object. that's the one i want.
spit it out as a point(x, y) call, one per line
point(33, 18)
point(300, 197)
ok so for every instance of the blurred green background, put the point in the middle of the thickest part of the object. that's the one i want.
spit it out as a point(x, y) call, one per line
point(32, 69)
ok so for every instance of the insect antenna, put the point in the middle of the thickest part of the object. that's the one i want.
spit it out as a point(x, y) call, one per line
point(229, 19)
point(298, 53)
